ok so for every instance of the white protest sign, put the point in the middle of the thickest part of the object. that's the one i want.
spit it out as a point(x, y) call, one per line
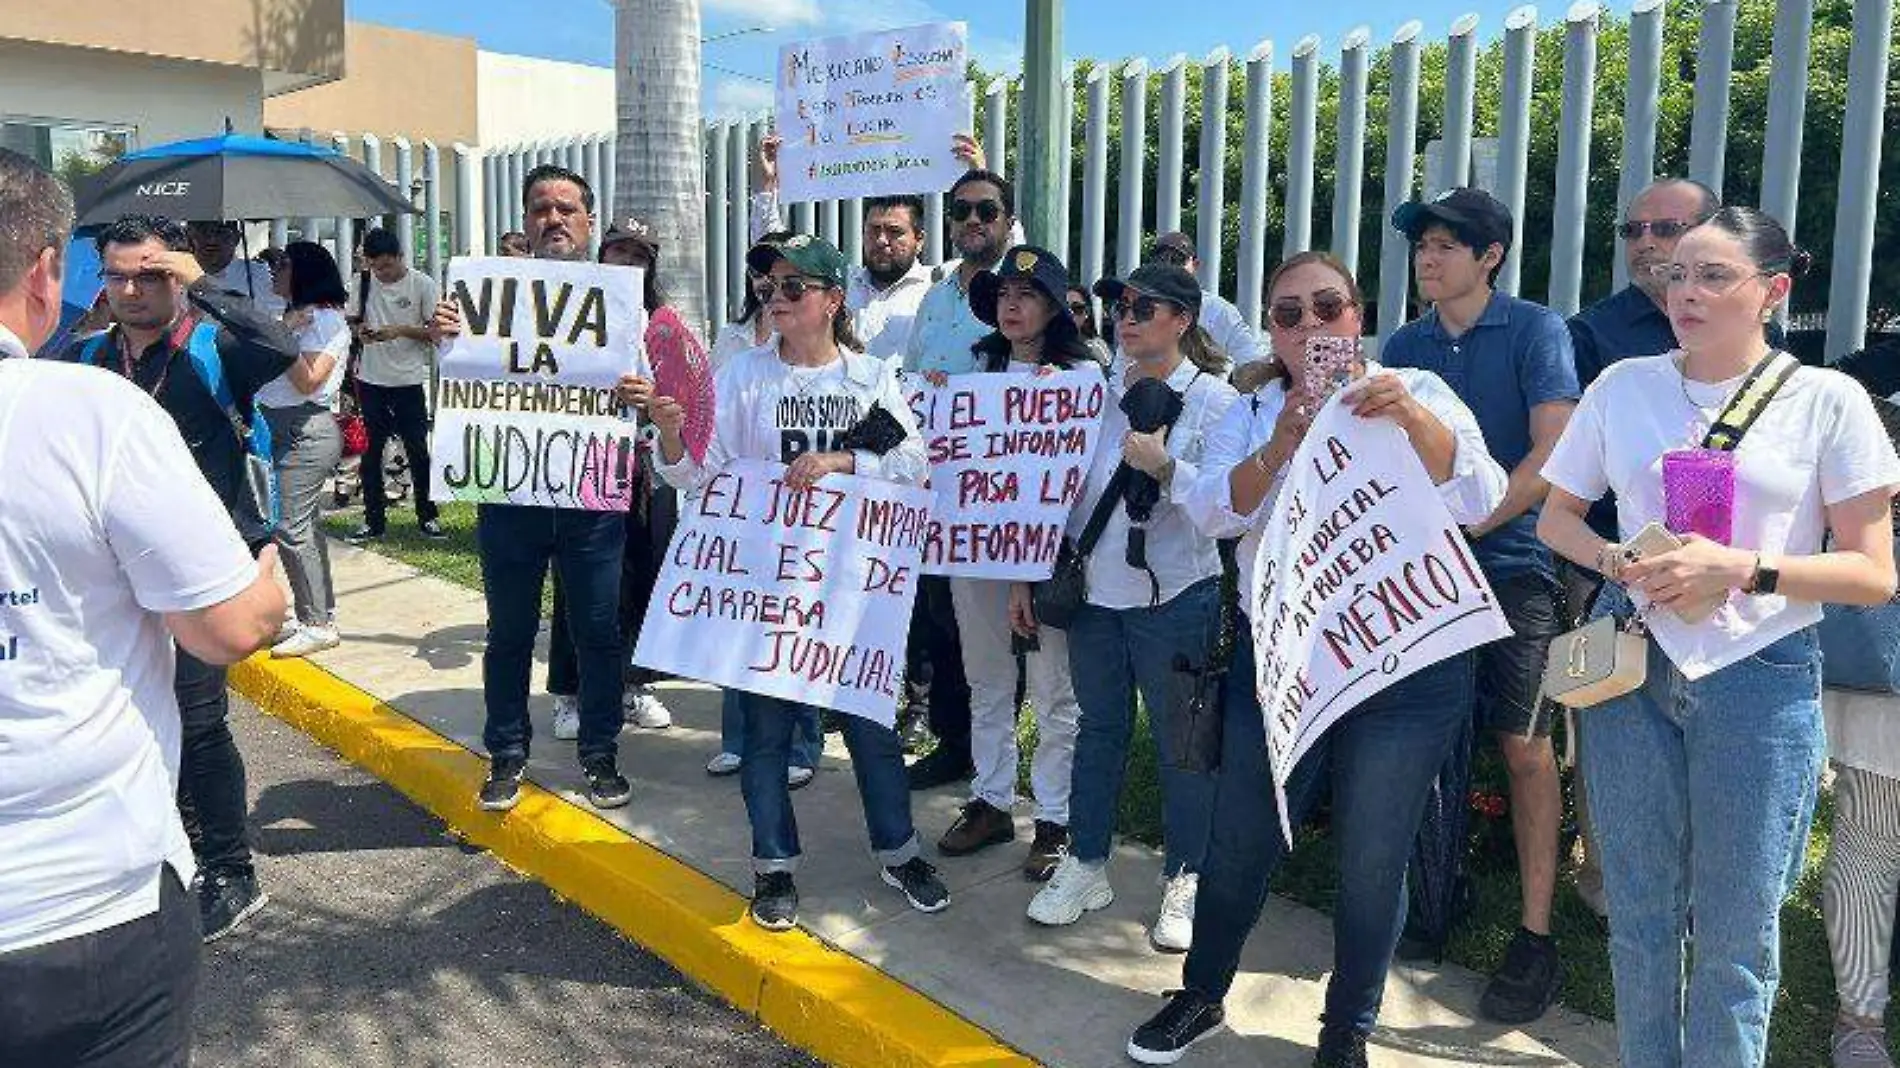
point(1009, 456)
point(525, 412)
point(804, 595)
point(1362, 579)
point(871, 114)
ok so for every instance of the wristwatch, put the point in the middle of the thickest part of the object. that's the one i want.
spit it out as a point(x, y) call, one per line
point(1765, 580)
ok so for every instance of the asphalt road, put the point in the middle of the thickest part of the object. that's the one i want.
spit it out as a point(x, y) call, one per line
point(388, 942)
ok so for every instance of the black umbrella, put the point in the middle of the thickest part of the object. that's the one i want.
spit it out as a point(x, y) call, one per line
point(235, 178)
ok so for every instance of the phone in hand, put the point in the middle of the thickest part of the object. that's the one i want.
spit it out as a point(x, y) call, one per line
point(1654, 540)
point(1329, 366)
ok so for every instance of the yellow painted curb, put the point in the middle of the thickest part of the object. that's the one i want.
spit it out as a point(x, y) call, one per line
point(834, 1006)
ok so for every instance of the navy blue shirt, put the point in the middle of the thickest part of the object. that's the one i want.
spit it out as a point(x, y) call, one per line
point(1514, 358)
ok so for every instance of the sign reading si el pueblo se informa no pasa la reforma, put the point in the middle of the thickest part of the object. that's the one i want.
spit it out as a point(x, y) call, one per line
point(872, 114)
point(526, 412)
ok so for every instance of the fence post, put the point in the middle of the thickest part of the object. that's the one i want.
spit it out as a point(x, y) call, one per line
point(1860, 177)
point(738, 162)
point(1064, 170)
point(1211, 203)
point(1573, 160)
point(373, 159)
point(405, 224)
point(1787, 110)
point(718, 211)
point(610, 168)
point(1171, 158)
point(518, 167)
point(828, 221)
point(491, 197)
point(345, 244)
point(1095, 178)
point(1401, 159)
point(1640, 114)
point(1461, 90)
point(432, 207)
point(1255, 154)
point(1300, 146)
point(1514, 130)
point(1715, 65)
point(996, 126)
point(468, 175)
point(1349, 158)
point(279, 233)
point(1134, 149)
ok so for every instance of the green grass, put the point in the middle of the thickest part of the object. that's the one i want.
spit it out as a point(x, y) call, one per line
point(1804, 1008)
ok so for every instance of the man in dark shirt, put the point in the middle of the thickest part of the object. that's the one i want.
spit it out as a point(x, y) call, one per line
point(1632, 321)
point(1509, 360)
point(158, 292)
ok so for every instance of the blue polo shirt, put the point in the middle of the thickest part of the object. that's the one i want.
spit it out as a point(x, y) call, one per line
point(1514, 358)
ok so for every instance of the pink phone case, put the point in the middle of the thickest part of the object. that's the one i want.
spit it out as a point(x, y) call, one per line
point(1329, 362)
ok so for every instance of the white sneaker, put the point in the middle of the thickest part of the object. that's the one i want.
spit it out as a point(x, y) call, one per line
point(1173, 931)
point(287, 631)
point(305, 641)
point(796, 777)
point(1075, 888)
point(644, 710)
point(567, 718)
point(724, 764)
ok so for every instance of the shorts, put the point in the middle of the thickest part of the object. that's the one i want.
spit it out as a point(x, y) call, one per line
point(1511, 670)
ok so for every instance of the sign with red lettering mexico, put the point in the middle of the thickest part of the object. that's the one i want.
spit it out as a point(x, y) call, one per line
point(1362, 579)
point(799, 594)
point(1009, 454)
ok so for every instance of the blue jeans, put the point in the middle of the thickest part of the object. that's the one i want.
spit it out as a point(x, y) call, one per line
point(517, 544)
point(1701, 794)
point(808, 740)
point(877, 758)
point(1112, 653)
point(1379, 762)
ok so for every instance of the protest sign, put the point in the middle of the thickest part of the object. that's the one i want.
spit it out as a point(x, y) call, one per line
point(1009, 456)
point(799, 594)
point(525, 411)
point(872, 114)
point(1362, 579)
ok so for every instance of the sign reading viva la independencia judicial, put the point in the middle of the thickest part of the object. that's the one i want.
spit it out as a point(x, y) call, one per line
point(872, 114)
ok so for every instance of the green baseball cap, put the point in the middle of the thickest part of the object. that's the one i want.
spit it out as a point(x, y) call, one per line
point(813, 257)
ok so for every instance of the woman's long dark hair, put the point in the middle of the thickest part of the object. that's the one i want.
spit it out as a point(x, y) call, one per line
point(1087, 329)
point(314, 279)
point(752, 306)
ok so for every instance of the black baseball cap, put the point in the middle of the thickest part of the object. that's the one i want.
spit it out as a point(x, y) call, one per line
point(1037, 266)
point(1475, 216)
point(813, 256)
point(1162, 281)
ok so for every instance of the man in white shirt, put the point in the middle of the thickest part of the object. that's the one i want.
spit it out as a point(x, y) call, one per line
point(110, 540)
point(1222, 321)
point(215, 245)
point(393, 377)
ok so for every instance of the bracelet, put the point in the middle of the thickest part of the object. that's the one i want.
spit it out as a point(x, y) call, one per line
point(1260, 460)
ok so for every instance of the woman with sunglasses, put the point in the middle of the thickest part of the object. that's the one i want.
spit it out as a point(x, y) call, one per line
point(817, 364)
point(1702, 783)
point(1380, 761)
point(1082, 313)
point(1152, 597)
point(752, 327)
point(1022, 300)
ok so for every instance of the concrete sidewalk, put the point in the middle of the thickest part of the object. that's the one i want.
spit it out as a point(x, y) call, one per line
point(1067, 997)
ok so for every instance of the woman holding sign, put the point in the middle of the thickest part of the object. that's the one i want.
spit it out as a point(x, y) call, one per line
point(1023, 300)
point(1151, 593)
point(1702, 775)
point(804, 400)
point(1381, 759)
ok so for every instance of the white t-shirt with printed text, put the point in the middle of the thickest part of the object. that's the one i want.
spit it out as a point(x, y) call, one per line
point(409, 301)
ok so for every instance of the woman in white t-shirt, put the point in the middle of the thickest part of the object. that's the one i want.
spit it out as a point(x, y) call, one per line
point(792, 402)
point(306, 445)
point(1702, 783)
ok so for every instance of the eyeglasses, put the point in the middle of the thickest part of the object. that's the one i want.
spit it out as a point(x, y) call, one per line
point(141, 279)
point(1141, 309)
point(986, 211)
point(1327, 306)
point(1715, 279)
point(792, 287)
point(1078, 308)
point(1664, 229)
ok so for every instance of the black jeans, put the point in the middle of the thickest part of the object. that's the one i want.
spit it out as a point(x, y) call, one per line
point(647, 538)
point(402, 412)
point(117, 998)
point(211, 770)
point(933, 667)
point(517, 544)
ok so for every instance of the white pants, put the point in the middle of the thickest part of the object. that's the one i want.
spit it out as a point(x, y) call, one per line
point(982, 607)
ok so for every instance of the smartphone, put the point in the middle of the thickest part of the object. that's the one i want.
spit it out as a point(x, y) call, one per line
point(1329, 365)
point(1654, 540)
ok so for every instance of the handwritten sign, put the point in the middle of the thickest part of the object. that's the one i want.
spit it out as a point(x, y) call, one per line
point(872, 114)
point(526, 412)
point(804, 595)
point(1009, 455)
point(1362, 579)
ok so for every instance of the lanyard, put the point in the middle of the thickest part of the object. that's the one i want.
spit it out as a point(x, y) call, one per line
point(128, 365)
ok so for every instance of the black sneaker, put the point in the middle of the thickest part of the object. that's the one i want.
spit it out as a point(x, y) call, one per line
point(774, 901)
point(920, 885)
point(363, 535)
point(606, 787)
point(503, 787)
point(939, 769)
point(1047, 851)
point(1340, 1048)
point(1526, 984)
point(1167, 1036)
point(432, 530)
point(224, 901)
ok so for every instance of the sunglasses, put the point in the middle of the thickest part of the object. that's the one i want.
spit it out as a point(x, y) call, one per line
point(1291, 311)
point(792, 287)
point(1078, 308)
point(986, 211)
point(1666, 229)
point(1141, 309)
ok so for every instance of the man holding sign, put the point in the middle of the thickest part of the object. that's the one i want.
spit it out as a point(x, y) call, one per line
point(1361, 601)
point(528, 424)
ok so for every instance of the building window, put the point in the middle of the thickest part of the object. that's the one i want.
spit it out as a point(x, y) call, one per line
point(73, 149)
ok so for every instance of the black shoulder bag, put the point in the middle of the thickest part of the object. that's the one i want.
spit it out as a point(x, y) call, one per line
point(1059, 597)
point(1195, 694)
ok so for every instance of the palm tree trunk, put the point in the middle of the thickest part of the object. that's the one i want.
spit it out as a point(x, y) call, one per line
point(659, 160)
